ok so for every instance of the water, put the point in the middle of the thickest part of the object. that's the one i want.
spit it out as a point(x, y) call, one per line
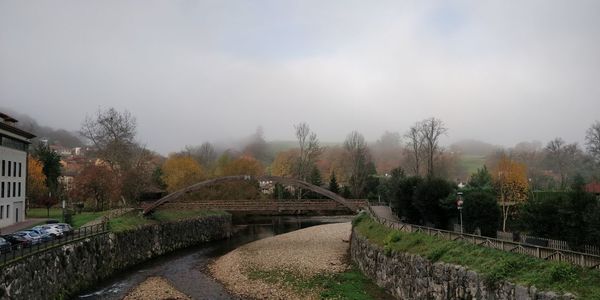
point(187, 269)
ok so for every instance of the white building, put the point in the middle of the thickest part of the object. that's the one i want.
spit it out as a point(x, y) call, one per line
point(14, 144)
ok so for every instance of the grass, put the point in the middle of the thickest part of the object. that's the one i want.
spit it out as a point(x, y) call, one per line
point(351, 284)
point(56, 213)
point(134, 219)
point(495, 265)
point(472, 162)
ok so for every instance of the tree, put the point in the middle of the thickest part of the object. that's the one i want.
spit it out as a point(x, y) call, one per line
point(404, 198)
point(284, 164)
point(562, 156)
point(482, 179)
point(36, 180)
point(333, 185)
point(428, 199)
point(356, 147)
point(310, 150)
point(431, 131)
point(315, 176)
point(48, 201)
point(415, 144)
point(257, 147)
point(97, 182)
point(181, 171)
point(244, 165)
point(205, 154)
point(511, 185)
point(592, 140)
point(481, 210)
point(112, 133)
point(51, 166)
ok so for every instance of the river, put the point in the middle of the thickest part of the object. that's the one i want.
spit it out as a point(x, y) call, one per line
point(186, 268)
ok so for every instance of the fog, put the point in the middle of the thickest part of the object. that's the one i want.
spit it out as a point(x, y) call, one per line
point(195, 71)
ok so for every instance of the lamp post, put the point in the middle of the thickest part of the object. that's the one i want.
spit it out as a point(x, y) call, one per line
point(459, 204)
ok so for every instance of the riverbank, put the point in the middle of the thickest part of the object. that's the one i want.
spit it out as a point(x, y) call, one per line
point(310, 263)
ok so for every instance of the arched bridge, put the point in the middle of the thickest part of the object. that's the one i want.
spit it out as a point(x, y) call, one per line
point(351, 205)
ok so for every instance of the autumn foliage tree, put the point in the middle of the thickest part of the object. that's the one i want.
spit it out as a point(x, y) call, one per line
point(283, 165)
point(36, 180)
point(98, 183)
point(511, 185)
point(243, 165)
point(181, 171)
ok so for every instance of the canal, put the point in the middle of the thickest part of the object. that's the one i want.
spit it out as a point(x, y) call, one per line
point(187, 269)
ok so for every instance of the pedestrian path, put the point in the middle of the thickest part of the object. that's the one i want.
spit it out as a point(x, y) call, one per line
point(28, 223)
point(385, 212)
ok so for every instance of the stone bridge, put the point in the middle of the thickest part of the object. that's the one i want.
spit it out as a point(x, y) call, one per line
point(260, 205)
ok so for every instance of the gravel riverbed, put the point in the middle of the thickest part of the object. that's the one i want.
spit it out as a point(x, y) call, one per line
point(307, 252)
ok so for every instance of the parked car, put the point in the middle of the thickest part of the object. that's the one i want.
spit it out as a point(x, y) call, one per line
point(17, 240)
point(50, 229)
point(44, 235)
point(66, 228)
point(31, 236)
point(5, 246)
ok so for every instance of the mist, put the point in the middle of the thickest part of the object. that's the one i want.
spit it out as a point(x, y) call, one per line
point(196, 71)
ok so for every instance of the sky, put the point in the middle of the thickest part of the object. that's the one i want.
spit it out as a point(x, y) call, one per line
point(196, 71)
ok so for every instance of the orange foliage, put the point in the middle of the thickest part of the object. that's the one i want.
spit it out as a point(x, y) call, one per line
point(181, 171)
point(244, 165)
point(510, 181)
point(284, 163)
point(36, 180)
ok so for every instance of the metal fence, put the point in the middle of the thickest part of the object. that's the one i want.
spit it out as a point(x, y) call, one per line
point(17, 252)
point(577, 258)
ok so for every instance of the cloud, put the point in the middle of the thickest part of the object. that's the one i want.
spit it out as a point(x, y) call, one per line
point(193, 71)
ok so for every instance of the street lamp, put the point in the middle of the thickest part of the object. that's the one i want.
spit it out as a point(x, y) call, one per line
point(459, 205)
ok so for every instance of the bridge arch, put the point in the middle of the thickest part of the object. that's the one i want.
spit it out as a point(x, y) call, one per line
point(281, 180)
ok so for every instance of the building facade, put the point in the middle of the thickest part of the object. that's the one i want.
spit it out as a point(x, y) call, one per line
point(14, 144)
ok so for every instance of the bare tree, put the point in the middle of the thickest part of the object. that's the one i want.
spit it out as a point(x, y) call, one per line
point(310, 150)
point(205, 154)
point(356, 147)
point(415, 145)
point(431, 130)
point(562, 157)
point(592, 141)
point(112, 133)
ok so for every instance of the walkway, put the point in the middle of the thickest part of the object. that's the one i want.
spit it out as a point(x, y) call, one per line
point(385, 212)
point(28, 223)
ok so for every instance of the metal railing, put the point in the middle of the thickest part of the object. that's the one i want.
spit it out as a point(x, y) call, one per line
point(576, 258)
point(17, 252)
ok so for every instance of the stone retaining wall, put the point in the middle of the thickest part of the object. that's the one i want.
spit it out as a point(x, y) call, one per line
point(64, 271)
point(408, 276)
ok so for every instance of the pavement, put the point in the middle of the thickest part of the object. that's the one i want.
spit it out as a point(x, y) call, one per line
point(28, 223)
point(384, 212)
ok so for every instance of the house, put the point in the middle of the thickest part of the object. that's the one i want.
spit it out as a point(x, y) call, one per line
point(594, 188)
point(14, 144)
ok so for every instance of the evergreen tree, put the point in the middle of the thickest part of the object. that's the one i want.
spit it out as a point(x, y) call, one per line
point(51, 161)
point(333, 185)
point(315, 176)
point(482, 179)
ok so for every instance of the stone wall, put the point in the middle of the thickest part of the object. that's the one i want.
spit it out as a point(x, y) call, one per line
point(64, 271)
point(408, 276)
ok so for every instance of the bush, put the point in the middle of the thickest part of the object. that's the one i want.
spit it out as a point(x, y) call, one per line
point(481, 210)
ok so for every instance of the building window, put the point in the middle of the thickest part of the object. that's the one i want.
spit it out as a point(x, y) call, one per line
point(15, 169)
point(9, 164)
point(3, 167)
point(7, 189)
point(19, 195)
point(20, 166)
point(1, 211)
point(8, 211)
point(14, 189)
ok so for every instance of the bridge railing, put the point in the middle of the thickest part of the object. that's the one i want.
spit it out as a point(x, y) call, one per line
point(271, 205)
point(576, 258)
point(17, 252)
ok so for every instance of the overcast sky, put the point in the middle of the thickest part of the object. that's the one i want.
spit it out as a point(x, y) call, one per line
point(194, 71)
